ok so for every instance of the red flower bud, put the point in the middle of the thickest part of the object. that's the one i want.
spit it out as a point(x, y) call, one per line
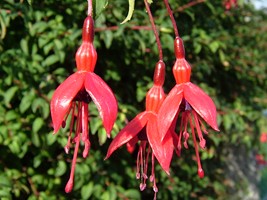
point(179, 48)
point(88, 30)
point(159, 73)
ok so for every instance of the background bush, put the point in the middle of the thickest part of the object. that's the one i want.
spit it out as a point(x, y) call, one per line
point(227, 50)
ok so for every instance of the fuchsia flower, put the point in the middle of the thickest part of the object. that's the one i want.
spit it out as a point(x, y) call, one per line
point(228, 4)
point(193, 104)
point(263, 137)
point(143, 128)
point(74, 94)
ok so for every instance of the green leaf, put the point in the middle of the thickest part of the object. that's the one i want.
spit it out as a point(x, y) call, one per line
point(4, 181)
point(37, 124)
point(9, 94)
point(87, 190)
point(102, 136)
point(3, 26)
point(50, 138)
point(24, 46)
point(105, 196)
point(35, 139)
point(61, 168)
point(130, 11)
point(132, 194)
point(214, 46)
point(50, 60)
point(99, 6)
point(37, 161)
point(108, 38)
point(25, 103)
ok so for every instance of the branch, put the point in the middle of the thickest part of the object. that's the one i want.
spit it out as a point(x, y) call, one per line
point(190, 4)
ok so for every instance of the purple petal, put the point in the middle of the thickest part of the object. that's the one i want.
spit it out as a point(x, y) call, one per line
point(169, 109)
point(163, 150)
point(201, 103)
point(63, 96)
point(128, 132)
point(104, 99)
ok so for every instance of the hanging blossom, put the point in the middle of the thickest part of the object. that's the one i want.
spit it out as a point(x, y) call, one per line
point(191, 103)
point(228, 4)
point(143, 128)
point(74, 94)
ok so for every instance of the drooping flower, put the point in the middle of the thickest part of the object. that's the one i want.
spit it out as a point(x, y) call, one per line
point(74, 94)
point(228, 4)
point(263, 137)
point(143, 128)
point(188, 100)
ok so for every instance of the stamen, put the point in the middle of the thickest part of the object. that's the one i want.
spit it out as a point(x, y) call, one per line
point(85, 133)
point(155, 188)
point(138, 163)
point(202, 142)
point(200, 170)
point(186, 136)
point(67, 147)
point(142, 186)
point(203, 127)
point(69, 184)
point(179, 146)
point(146, 163)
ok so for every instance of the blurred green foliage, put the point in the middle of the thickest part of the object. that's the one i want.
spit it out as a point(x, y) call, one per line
point(38, 40)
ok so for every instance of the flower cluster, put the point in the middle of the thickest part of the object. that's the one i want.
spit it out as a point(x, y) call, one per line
point(153, 129)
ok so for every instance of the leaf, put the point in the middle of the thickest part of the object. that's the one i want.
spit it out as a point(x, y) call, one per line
point(50, 60)
point(37, 124)
point(99, 6)
point(102, 136)
point(61, 168)
point(24, 46)
point(108, 36)
point(25, 103)
point(87, 190)
point(9, 94)
point(130, 11)
point(132, 194)
point(3, 27)
point(214, 46)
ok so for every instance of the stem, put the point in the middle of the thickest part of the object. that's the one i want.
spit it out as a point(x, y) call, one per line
point(175, 28)
point(90, 8)
point(190, 4)
point(154, 30)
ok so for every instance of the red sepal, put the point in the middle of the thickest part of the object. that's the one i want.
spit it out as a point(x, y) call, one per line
point(169, 109)
point(128, 132)
point(63, 96)
point(201, 103)
point(163, 150)
point(103, 98)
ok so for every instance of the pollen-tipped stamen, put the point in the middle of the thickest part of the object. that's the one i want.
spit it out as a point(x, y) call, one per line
point(200, 170)
point(152, 176)
point(202, 141)
point(76, 139)
point(138, 164)
point(85, 132)
point(72, 109)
